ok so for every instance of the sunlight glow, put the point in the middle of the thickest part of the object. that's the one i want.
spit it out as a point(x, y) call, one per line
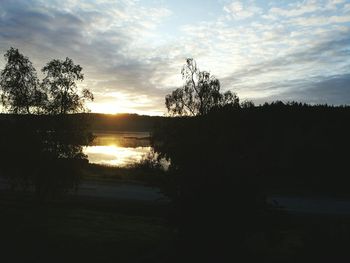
point(108, 108)
point(123, 106)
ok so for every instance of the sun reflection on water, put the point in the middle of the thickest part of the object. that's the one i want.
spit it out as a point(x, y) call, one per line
point(115, 155)
point(118, 148)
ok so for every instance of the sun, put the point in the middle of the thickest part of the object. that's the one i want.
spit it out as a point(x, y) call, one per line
point(107, 108)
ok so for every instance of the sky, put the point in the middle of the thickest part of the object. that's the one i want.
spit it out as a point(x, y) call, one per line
point(132, 51)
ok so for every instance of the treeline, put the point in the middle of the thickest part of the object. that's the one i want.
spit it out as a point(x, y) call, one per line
point(94, 121)
point(123, 122)
point(308, 142)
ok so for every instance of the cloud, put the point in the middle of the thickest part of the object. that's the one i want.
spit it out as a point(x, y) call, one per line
point(296, 9)
point(294, 70)
point(307, 7)
point(136, 49)
point(107, 37)
point(320, 20)
point(333, 90)
point(236, 10)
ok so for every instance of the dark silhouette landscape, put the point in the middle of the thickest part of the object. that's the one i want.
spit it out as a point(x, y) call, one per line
point(231, 166)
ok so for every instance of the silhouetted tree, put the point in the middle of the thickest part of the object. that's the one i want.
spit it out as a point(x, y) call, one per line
point(247, 104)
point(200, 93)
point(63, 144)
point(60, 81)
point(43, 151)
point(19, 84)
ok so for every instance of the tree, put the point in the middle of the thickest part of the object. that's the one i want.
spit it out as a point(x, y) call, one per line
point(200, 93)
point(247, 104)
point(49, 148)
point(19, 84)
point(60, 81)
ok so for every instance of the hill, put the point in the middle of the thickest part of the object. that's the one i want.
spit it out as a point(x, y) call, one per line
point(97, 121)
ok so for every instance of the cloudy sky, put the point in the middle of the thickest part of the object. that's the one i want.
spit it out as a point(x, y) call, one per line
point(132, 51)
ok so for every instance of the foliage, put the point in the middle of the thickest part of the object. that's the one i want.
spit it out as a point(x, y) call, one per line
point(223, 164)
point(40, 151)
point(21, 92)
point(57, 94)
point(43, 153)
point(200, 93)
point(60, 81)
point(247, 104)
point(213, 196)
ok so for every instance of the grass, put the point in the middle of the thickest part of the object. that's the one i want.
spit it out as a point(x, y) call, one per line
point(74, 229)
point(82, 231)
point(133, 174)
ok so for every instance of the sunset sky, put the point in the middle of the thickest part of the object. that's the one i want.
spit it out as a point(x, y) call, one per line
point(132, 51)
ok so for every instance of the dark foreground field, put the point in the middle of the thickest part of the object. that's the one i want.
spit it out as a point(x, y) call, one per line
point(83, 230)
point(225, 166)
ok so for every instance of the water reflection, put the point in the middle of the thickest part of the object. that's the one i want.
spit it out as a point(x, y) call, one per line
point(122, 139)
point(118, 149)
point(115, 155)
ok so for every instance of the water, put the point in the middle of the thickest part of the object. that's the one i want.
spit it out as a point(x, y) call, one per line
point(118, 148)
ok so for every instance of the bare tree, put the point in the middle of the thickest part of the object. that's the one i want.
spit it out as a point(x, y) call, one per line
point(200, 93)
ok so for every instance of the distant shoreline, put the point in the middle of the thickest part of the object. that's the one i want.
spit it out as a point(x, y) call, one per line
point(97, 122)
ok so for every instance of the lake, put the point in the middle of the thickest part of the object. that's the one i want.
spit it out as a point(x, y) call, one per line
point(118, 148)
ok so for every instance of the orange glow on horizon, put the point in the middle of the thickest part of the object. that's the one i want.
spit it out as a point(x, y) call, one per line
point(122, 107)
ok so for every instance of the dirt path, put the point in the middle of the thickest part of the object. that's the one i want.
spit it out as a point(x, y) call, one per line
point(312, 205)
